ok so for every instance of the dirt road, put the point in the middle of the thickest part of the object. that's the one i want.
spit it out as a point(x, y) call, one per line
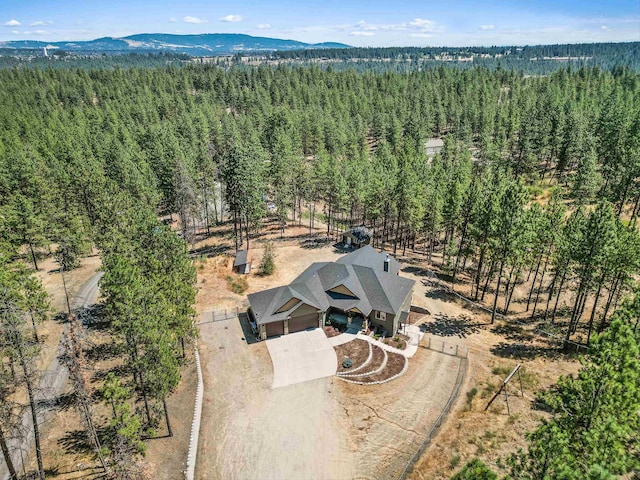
point(52, 384)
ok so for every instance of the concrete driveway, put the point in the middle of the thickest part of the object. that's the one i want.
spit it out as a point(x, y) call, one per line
point(300, 357)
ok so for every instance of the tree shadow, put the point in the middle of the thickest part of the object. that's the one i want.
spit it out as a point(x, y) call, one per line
point(417, 271)
point(61, 402)
point(118, 371)
point(512, 332)
point(104, 351)
point(94, 317)
point(61, 317)
point(313, 243)
point(523, 351)
point(439, 294)
point(77, 441)
point(448, 326)
point(89, 315)
point(210, 251)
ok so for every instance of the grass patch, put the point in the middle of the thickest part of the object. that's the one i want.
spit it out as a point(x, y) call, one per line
point(529, 379)
point(237, 284)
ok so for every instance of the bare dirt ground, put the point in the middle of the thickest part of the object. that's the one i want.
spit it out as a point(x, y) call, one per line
point(324, 428)
point(469, 431)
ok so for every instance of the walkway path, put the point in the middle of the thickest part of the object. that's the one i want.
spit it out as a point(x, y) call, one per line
point(412, 331)
point(52, 384)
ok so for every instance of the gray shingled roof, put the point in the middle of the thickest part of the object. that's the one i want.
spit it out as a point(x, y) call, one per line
point(367, 256)
point(361, 272)
point(241, 258)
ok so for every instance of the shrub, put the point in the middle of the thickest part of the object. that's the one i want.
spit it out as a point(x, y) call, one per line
point(347, 363)
point(455, 461)
point(470, 396)
point(267, 265)
point(475, 470)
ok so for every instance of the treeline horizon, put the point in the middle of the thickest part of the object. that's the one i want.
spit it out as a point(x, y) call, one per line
point(603, 55)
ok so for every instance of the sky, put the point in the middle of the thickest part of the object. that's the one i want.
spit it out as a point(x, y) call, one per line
point(354, 22)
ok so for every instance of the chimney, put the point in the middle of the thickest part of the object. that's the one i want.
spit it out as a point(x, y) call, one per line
point(386, 263)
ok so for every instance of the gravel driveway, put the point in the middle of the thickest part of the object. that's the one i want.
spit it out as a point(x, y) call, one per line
point(300, 357)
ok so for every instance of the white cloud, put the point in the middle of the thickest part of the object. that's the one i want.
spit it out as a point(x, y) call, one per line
point(487, 27)
point(604, 27)
point(263, 26)
point(173, 19)
point(36, 32)
point(15, 32)
point(12, 23)
point(37, 23)
point(419, 25)
point(232, 18)
point(189, 19)
point(359, 33)
point(421, 35)
point(422, 23)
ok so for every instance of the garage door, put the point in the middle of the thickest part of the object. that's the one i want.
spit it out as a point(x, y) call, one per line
point(304, 322)
point(275, 328)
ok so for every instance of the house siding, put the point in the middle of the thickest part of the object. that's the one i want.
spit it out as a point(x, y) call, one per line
point(387, 324)
point(303, 310)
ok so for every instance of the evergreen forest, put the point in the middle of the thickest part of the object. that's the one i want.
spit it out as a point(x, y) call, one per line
point(531, 204)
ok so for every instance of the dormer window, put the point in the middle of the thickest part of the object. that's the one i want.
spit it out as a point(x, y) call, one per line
point(381, 316)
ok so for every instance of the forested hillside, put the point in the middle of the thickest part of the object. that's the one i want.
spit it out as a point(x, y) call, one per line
point(536, 189)
point(531, 59)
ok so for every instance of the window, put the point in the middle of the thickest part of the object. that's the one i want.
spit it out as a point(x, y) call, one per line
point(381, 316)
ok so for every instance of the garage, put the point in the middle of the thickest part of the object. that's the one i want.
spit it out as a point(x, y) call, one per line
point(275, 328)
point(303, 322)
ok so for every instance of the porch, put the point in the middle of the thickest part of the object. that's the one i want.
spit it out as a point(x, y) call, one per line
point(346, 322)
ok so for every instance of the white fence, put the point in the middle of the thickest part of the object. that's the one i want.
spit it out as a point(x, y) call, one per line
point(192, 456)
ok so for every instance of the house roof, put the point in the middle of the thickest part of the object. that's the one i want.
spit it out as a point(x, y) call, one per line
point(323, 285)
point(367, 256)
point(241, 258)
point(434, 143)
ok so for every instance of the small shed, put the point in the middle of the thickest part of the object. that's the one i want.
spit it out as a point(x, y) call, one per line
point(242, 264)
point(357, 237)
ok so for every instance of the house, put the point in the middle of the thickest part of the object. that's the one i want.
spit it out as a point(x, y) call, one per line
point(357, 237)
point(433, 146)
point(361, 288)
point(242, 264)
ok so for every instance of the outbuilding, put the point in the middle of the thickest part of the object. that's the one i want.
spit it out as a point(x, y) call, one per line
point(242, 264)
point(357, 237)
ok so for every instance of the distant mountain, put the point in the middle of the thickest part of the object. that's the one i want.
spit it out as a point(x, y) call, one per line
point(197, 45)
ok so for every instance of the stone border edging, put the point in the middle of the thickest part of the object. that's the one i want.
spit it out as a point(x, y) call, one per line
point(360, 367)
point(379, 382)
point(190, 472)
point(385, 359)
